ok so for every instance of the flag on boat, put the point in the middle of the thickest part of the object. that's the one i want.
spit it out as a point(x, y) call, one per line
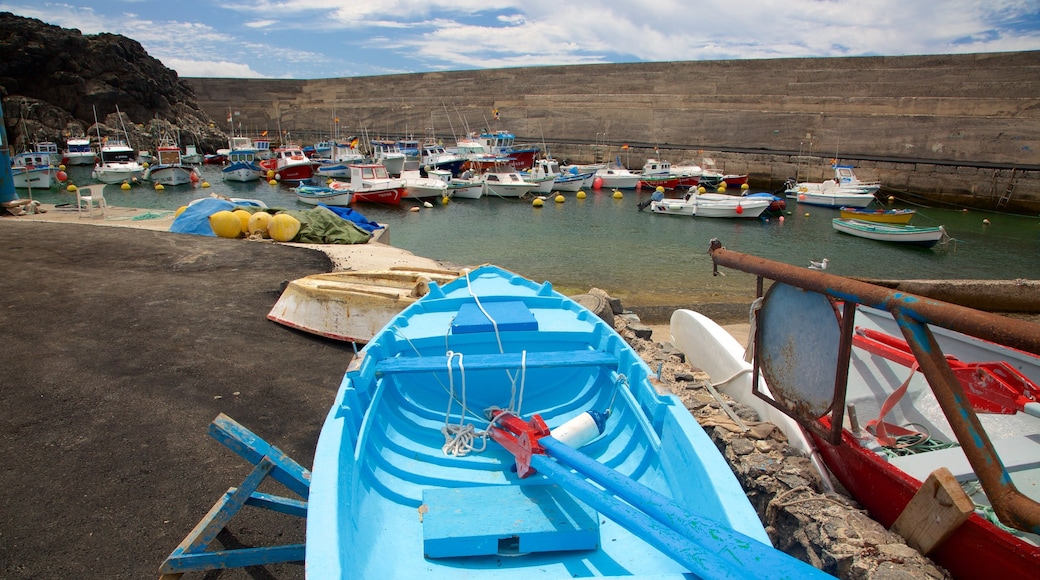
point(354, 143)
point(495, 113)
point(264, 134)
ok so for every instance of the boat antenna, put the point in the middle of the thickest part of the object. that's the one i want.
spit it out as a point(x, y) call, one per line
point(450, 125)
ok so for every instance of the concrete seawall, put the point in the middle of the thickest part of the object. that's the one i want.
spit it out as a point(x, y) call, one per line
point(957, 129)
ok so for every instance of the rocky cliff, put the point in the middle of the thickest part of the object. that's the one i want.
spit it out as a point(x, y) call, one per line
point(52, 80)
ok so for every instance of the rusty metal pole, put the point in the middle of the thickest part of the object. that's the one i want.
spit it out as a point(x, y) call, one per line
point(1013, 508)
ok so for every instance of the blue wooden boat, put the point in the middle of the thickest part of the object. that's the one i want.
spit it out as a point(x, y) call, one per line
point(589, 469)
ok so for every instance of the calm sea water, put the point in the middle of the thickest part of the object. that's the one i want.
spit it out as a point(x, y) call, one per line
point(643, 258)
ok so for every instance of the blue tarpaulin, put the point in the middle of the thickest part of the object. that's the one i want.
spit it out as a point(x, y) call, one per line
point(353, 216)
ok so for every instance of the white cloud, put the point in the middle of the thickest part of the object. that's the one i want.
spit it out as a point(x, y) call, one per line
point(209, 68)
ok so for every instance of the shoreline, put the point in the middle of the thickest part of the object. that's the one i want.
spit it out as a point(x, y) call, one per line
point(374, 255)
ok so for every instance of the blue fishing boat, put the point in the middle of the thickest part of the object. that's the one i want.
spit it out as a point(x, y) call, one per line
point(497, 429)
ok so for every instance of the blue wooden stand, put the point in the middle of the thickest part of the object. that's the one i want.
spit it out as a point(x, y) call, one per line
point(191, 555)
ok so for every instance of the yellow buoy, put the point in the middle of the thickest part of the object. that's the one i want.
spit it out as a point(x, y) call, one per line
point(159, 187)
point(61, 167)
point(721, 188)
point(559, 198)
point(180, 210)
point(125, 186)
point(701, 189)
point(806, 214)
point(744, 186)
point(272, 182)
point(660, 189)
point(71, 188)
point(205, 184)
point(445, 200)
point(243, 217)
point(270, 174)
point(617, 194)
point(581, 194)
point(283, 227)
point(225, 224)
point(258, 223)
point(537, 202)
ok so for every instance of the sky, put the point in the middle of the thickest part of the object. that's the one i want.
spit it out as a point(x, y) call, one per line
point(309, 39)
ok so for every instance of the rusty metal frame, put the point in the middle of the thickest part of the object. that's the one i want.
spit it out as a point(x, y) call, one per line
point(914, 314)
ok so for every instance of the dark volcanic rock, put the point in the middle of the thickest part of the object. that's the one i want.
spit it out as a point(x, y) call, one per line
point(54, 78)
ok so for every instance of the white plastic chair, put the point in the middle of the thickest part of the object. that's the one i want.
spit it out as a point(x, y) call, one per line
point(87, 198)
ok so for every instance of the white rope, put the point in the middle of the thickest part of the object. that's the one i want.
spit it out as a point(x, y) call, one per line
point(459, 438)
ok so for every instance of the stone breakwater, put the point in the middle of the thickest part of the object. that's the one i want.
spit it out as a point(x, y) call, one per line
point(828, 530)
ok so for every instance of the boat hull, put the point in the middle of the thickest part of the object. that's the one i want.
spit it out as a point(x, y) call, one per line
point(242, 172)
point(883, 216)
point(118, 173)
point(858, 200)
point(383, 490)
point(352, 306)
point(899, 234)
point(170, 174)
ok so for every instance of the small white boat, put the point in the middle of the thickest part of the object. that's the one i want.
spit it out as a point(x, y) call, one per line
point(192, 156)
point(352, 306)
point(466, 186)
point(117, 163)
point(616, 177)
point(168, 168)
point(504, 181)
point(32, 169)
point(79, 152)
point(418, 187)
point(924, 237)
point(562, 181)
point(844, 190)
point(713, 205)
point(50, 149)
point(543, 182)
point(388, 154)
point(712, 349)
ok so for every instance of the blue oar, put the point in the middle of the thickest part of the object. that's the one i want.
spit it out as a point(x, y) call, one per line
point(707, 548)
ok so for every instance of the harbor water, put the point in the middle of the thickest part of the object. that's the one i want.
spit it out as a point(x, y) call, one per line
point(645, 259)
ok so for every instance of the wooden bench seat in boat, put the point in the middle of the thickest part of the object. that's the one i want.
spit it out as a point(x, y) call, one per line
point(1017, 453)
point(505, 519)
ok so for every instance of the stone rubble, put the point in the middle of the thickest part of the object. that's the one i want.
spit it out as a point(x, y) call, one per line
point(829, 531)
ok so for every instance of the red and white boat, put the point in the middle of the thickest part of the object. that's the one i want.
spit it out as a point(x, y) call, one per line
point(371, 182)
point(936, 432)
point(290, 165)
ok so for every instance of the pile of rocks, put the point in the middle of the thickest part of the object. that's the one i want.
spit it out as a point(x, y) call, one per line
point(827, 530)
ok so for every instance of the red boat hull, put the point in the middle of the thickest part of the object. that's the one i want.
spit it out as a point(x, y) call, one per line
point(667, 183)
point(383, 196)
point(978, 549)
point(735, 180)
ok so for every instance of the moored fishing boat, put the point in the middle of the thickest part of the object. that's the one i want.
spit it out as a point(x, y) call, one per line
point(32, 169)
point(290, 165)
point(372, 183)
point(168, 168)
point(924, 237)
point(505, 181)
point(117, 163)
point(405, 482)
point(78, 151)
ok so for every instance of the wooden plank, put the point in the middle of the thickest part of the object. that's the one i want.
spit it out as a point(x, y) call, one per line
point(509, 360)
point(934, 513)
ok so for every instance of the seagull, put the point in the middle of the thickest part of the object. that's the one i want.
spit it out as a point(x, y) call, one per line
point(818, 265)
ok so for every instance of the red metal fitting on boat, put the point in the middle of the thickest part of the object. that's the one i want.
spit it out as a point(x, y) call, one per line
point(519, 437)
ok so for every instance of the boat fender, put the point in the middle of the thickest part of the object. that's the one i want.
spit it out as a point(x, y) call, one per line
point(581, 429)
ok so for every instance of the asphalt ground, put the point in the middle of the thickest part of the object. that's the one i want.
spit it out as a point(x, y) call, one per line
point(120, 346)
